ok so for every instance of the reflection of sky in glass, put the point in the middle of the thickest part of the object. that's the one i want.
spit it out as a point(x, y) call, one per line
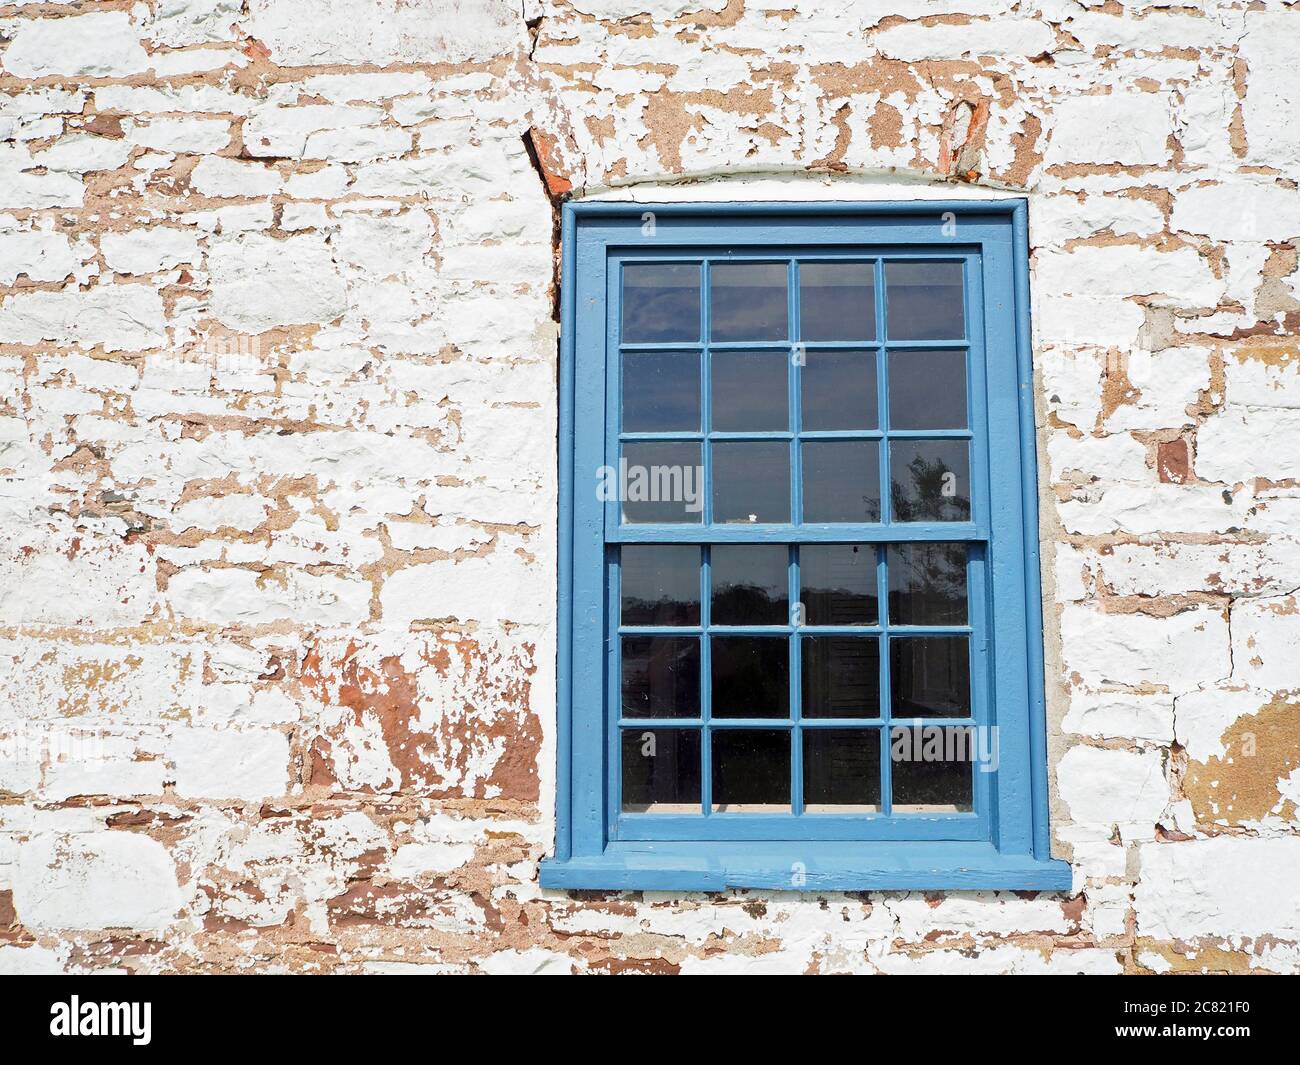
point(918, 471)
point(841, 481)
point(661, 392)
point(838, 584)
point(661, 302)
point(841, 676)
point(839, 390)
point(750, 584)
point(660, 584)
point(924, 301)
point(837, 301)
point(749, 391)
point(927, 584)
point(747, 301)
point(751, 481)
point(929, 676)
point(672, 470)
point(927, 389)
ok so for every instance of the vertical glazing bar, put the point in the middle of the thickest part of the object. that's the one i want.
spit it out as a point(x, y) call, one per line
point(795, 392)
point(796, 687)
point(706, 579)
point(795, 377)
point(882, 393)
point(706, 394)
point(706, 679)
point(886, 697)
point(614, 685)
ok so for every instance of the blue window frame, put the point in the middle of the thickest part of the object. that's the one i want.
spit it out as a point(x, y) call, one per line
point(799, 621)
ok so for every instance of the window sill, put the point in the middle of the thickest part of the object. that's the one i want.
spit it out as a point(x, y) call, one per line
point(806, 866)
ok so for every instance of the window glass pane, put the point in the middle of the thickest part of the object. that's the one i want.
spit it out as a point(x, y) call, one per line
point(839, 390)
point(927, 584)
point(661, 676)
point(750, 391)
point(751, 770)
point(927, 390)
point(661, 770)
point(659, 584)
point(747, 301)
point(931, 769)
point(751, 676)
point(930, 480)
point(930, 676)
point(924, 301)
point(838, 584)
point(841, 481)
point(750, 584)
point(841, 770)
point(659, 481)
point(837, 301)
point(751, 482)
point(840, 676)
point(661, 302)
point(661, 392)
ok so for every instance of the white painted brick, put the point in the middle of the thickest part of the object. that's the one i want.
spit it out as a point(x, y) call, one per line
point(259, 282)
point(1175, 569)
point(119, 317)
point(1153, 508)
point(1204, 716)
point(1240, 443)
point(308, 32)
point(142, 251)
point(233, 178)
point(476, 589)
point(103, 44)
point(1266, 642)
point(240, 596)
point(1225, 888)
point(1257, 382)
point(1239, 210)
point(196, 135)
point(1179, 653)
point(182, 22)
point(1108, 787)
point(37, 255)
point(994, 37)
point(246, 764)
point(1120, 127)
point(98, 880)
point(1272, 92)
point(1181, 277)
point(1118, 457)
point(1169, 382)
point(1120, 715)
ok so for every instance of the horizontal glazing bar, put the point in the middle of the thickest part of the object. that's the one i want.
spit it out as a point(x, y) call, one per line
point(653, 723)
point(787, 630)
point(898, 532)
point(920, 345)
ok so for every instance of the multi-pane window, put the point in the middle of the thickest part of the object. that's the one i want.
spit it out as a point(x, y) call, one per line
point(763, 672)
point(792, 520)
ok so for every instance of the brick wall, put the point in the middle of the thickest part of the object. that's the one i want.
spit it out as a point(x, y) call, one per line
point(277, 450)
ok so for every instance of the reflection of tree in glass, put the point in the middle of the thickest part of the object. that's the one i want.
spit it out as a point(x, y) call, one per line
point(748, 604)
point(665, 610)
point(927, 584)
point(925, 500)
